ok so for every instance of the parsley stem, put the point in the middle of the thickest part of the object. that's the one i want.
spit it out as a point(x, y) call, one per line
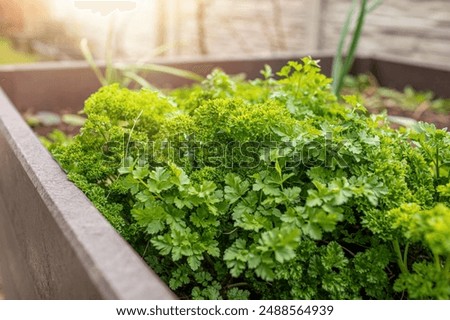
point(437, 165)
point(230, 232)
point(405, 255)
point(348, 250)
point(146, 247)
point(447, 265)
point(437, 261)
point(131, 132)
point(401, 263)
point(142, 182)
point(239, 284)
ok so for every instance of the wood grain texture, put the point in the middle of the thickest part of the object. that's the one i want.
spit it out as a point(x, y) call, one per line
point(54, 244)
point(409, 29)
point(2, 296)
point(415, 30)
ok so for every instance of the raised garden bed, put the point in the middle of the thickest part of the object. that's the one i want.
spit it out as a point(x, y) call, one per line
point(53, 242)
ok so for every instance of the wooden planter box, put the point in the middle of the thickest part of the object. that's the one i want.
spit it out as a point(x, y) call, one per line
point(53, 243)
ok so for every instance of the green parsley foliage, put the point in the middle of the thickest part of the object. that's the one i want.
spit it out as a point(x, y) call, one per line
point(268, 189)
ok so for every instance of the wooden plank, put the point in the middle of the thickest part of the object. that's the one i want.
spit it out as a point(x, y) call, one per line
point(54, 243)
point(315, 25)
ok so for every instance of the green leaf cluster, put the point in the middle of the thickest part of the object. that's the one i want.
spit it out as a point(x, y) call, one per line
point(268, 189)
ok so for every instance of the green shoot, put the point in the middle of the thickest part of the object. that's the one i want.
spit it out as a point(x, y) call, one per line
point(341, 67)
point(125, 74)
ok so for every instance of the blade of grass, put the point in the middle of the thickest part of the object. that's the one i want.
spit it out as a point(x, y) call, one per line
point(90, 60)
point(337, 62)
point(373, 5)
point(164, 69)
point(161, 49)
point(139, 80)
point(341, 68)
point(109, 71)
point(350, 56)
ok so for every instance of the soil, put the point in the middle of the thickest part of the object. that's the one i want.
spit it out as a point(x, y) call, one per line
point(45, 130)
point(440, 120)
